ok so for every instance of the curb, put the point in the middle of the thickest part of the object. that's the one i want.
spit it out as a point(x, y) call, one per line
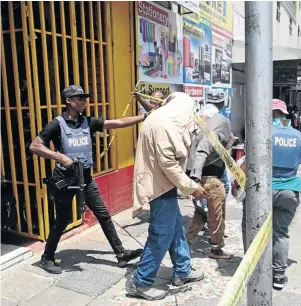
point(14, 257)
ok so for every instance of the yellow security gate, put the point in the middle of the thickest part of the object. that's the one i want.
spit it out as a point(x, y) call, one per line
point(46, 46)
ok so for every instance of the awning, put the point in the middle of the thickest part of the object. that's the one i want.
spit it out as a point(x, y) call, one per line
point(279, 53)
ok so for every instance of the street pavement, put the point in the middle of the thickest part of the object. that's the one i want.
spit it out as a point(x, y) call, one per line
point(91, 276)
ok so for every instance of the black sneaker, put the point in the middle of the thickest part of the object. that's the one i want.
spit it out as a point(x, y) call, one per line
point(49, 265)
point(194, 276)
point(279, 282)
point(127, 256)
point(149, 293)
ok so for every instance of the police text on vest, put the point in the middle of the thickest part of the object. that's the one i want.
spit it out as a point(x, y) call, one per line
point(79, 142)
point(285, 142)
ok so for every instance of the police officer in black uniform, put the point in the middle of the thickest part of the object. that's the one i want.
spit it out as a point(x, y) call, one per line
point(71, 135)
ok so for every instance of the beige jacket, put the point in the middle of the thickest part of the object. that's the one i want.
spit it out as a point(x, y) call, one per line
point(162, 150)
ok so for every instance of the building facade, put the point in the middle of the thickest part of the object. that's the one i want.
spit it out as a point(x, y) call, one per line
point(46, 46)
point(286, 23)
point(106, 47)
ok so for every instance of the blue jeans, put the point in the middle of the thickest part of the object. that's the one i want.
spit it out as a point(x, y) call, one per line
point(165, 233)
point(225, 181)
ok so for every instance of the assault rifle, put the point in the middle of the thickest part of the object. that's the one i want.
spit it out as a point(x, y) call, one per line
point(74, 183)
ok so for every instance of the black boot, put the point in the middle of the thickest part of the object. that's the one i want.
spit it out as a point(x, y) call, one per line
point(49, 265)
point(127, 256)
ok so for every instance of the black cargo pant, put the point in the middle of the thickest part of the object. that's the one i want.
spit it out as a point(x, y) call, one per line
point(63, 204)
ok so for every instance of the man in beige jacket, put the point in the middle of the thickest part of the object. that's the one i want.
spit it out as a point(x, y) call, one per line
point(162, 150)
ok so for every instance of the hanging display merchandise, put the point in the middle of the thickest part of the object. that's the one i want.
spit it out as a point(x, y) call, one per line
point(160, 44)
point(197, 53)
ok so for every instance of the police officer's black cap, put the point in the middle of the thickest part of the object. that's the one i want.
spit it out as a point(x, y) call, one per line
point(74, 91)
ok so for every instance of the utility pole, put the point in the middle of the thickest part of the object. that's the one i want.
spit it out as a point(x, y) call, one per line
point(259, 86)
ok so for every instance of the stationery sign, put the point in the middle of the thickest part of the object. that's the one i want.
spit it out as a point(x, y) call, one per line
point(160, 44)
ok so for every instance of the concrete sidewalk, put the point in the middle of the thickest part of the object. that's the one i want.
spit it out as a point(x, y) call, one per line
point(92, 277)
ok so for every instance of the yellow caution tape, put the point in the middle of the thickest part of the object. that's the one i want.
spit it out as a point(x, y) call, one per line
point(237, 284)
point(106, 150)
point(231, 164)
point(116, 131)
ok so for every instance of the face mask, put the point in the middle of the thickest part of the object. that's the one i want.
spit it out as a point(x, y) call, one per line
point(281, 122)
point(221, 112)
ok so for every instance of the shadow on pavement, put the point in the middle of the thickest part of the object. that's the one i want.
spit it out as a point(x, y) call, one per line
point(228, 267)
point(144, 217)
point(201, 248)
point(71, 260)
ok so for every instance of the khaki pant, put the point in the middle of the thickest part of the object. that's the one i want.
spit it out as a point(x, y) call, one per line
point(216, 220)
